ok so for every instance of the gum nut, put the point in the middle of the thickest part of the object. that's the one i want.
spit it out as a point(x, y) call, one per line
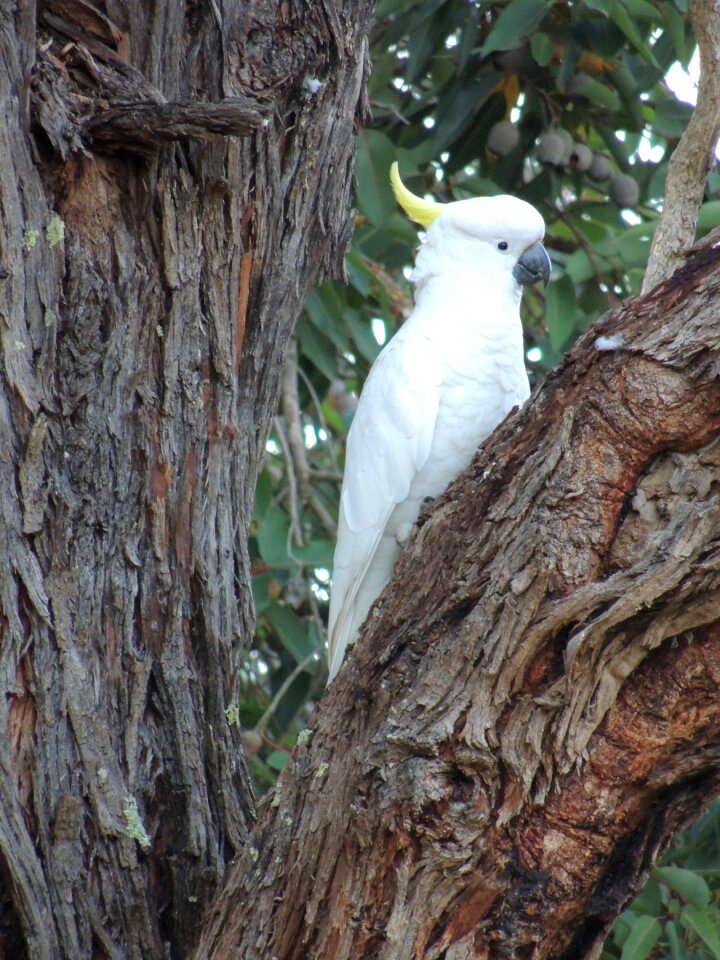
point(503, 137)
point(568, 143)
point(551, 150)
point(600, 168)
point(251, 741)
point(624, 190)
point(580, 157)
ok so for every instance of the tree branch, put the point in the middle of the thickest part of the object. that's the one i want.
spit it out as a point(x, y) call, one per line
point(143, 127)
point(290, 403)
point(295, 534)
point(89, 95)
point(262, 724)
point(694, 155)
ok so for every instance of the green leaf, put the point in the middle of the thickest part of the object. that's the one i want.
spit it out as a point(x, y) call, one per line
point(560, 310)
point(457, 110)
point(541, 48)
point(634, 250)
point(277, 759)
point(295, 696)
point(383, 71)
point(375, 156)
point(677, 951)
point(691, 887)
point(332, 418)
point(474, 186)
point(317, 348)
point(317, 553)
point(518, 20)
point(468, 39)
point(633, 118)
point(649, 900)
point(292, 632)
point(701, 924)
point(442, 70)
point(272, 536)
point(358, 274)
point(578, 266)
point(709, 216)
point(326, 311)
point(642, 10)
point(675, 25)
point(620, 16)
point(363, 336)
point(671, 118)
point(422, 44)
point(643, 936)
point(261, 591)
point(623, 925)
point(409, 166)
point(409, 19)
point(263, 495)
point(596, 92)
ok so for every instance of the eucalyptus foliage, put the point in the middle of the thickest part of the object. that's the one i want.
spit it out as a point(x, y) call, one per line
point(677, 915)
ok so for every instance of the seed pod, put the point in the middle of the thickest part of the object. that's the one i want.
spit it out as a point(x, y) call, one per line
point(503, 138)
point(251, 741)
point(568, 143)
point(600, 168)
point(624, 190)
point(580, 157)
point(551, 150)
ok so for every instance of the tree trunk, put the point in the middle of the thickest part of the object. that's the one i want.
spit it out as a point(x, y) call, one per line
point(533, 708)
point(171, 185)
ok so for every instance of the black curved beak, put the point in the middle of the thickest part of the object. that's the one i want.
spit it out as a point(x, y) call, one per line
point(534, 265)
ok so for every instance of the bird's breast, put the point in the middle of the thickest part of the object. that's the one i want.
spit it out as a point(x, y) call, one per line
point(477, 366)
point(469, 411)
point(474, 399)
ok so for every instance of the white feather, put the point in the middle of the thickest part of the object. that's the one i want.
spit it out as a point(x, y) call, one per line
point(442, 384)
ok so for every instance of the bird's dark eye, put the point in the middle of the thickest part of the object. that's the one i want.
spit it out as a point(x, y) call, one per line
point(502, 245)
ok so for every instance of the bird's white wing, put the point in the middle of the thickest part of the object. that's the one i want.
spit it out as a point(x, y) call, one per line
point(389, 442)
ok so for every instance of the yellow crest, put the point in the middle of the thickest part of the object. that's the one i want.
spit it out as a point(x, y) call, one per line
point(419, 210)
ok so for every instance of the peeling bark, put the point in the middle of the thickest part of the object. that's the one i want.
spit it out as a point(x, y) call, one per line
point(532, 710)
point(147, 295)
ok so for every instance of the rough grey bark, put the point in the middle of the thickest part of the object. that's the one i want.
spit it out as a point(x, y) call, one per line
point(532, 709)
point(170, 186)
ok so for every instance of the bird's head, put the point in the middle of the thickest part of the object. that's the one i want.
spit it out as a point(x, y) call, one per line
point(502, 236)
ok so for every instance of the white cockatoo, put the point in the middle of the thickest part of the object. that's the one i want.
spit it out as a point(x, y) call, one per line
point(446, 379)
